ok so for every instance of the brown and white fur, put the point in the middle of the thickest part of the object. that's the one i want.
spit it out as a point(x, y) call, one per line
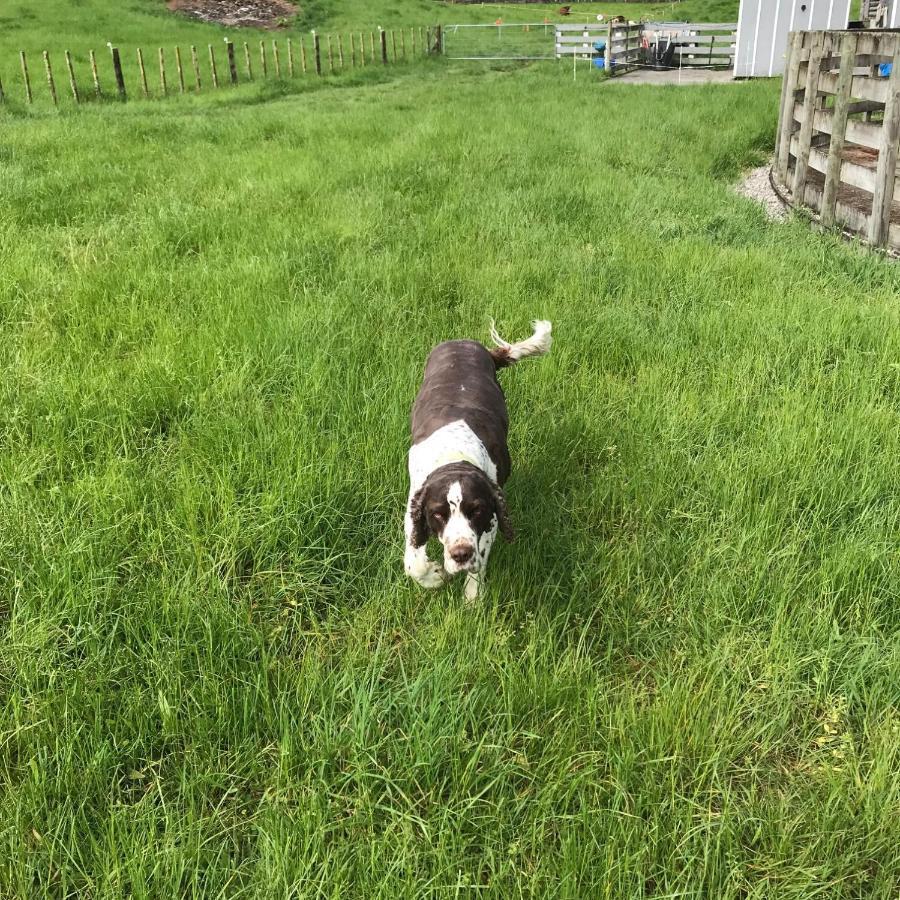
point(459, 458)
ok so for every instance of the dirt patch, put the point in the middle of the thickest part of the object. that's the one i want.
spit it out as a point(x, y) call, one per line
point(237, 13)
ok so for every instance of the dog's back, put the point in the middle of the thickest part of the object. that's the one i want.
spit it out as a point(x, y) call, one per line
point(460, 384)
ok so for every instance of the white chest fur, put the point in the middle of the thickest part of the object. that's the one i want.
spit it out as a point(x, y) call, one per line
point(453, 443)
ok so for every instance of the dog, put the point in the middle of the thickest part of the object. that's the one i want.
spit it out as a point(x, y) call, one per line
point(459, 459)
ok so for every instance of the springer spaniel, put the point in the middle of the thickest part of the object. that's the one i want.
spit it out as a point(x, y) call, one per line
point(459, 460)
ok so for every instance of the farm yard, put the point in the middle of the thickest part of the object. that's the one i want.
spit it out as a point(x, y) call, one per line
point(215, 680)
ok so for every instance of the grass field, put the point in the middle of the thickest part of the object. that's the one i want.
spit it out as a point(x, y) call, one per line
point(215, 681)
point(57, 25)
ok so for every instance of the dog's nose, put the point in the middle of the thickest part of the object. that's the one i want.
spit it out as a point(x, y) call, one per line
point(461, 553)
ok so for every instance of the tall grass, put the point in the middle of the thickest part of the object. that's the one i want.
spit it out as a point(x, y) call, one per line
point(684, 678)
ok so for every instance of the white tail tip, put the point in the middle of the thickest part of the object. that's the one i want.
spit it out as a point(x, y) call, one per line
point(537, 345)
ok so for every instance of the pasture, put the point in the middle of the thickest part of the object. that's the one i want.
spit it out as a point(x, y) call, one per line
point(215, 680)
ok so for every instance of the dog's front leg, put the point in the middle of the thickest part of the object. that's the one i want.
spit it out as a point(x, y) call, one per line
point(475, 580)
point(418, 566)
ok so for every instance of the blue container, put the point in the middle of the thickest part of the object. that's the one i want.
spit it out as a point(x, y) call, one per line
point(599, 62)
point(884, 69)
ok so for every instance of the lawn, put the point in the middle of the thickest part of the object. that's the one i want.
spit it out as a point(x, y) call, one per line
point(215, 680)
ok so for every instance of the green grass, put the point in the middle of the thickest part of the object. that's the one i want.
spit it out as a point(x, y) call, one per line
point(57, 25)
point(60, 25)
point(684, 678)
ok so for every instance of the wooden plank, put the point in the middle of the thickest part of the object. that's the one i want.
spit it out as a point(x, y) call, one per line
point(806, 127)
point(50, 82)
point(180, 69)
point(837, 128)
point(140, 59)
point(195, 62)
point(212, 66)
point(886, 176)
point(787, 118)
point(783, 108)
point(875, 89)
point(95, 76)
point(117, 70)
point(232, 62)
point(73, 86)
point(852, 173)
point(163, 86)
point(850, 218)
point(865, 134)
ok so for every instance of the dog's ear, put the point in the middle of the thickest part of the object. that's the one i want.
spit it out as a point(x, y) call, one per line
point(417, 514)
point(506, 528)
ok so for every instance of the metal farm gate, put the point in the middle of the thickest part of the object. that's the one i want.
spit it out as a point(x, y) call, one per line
point(500, 41)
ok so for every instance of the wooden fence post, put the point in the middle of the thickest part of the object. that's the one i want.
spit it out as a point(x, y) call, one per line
point(95, 76)
point(117, 70)
point(403, 43)
point(352, 50)
point(303, 55)
point(886, 173)
point(262, 59)
point(232, 63)
point(317, 53)
point(382, 34)
point(72, 83)
point(24, 62)
point(789, 99)
point(50, 83)
point(2, 95)
point(163, 84)
point(412, 34)
point(140, 58)
point(439, 40)
point(330, 56)
point(180, 69)
point(247, 64)
point(838, 130)
point(276, 59)
point(340, 51)
point(212, 66)
point(196, 64)
point(362, 50)
point(290, 47)
point(372, 46)
point(801, 166)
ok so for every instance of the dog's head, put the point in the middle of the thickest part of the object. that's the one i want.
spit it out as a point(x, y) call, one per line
point(463, 509)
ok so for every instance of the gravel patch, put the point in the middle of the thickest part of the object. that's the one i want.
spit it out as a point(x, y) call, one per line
point(756, 186)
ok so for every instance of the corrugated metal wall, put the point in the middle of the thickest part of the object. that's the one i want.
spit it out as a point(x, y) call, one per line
point(764, 26)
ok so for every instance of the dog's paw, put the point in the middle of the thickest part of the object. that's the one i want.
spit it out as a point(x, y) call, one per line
point(433, 577)
point(473, 586)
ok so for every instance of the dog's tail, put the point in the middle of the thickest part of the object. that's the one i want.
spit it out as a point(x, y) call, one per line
point(506, 354)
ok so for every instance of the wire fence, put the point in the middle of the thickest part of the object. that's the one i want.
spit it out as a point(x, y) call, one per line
point(161, 71)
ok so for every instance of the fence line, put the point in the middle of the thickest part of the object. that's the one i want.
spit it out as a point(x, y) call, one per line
point(423, 47)
point(839, 130)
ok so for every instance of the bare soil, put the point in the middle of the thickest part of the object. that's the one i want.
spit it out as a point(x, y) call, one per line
point(237, 13)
